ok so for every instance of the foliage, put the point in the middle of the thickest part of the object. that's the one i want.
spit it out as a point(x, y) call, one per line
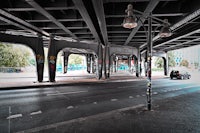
point(13, 56)
point(171, 60)
point(159, 63)
point(75, 59)
point(184, 63)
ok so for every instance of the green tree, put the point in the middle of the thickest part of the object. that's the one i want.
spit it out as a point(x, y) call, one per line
point(160, 63)
point(171, 60)
point(75, 59)
point(13, 56)
point(184, 63)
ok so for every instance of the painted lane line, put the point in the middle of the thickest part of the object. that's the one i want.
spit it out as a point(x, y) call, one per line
point(36, 113)
point(130, 97)
point(81, 119)
point(113, 100)
point(72, 92)
point(14, 116)
point(137, 95)
point(143, 95)
point(70, 107)
point(94, 102)
point(155, 93)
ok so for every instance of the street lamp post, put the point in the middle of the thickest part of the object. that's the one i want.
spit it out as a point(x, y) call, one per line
point(149, 57)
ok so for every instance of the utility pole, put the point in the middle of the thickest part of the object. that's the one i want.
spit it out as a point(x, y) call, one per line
point(149, 57)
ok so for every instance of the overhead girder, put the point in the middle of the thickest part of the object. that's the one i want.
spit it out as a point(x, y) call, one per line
point(22, 23)
point(49, 16)
point(84, 13)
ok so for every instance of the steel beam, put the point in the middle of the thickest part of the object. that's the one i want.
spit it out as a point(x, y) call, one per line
point(49, 16)
point(33, 9)
point(99, 10)
point(152, 4)
point(83, 11)
point(179, 37)
point(22, 22)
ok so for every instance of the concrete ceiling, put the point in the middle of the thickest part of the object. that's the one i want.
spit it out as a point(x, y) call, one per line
point(101, 20)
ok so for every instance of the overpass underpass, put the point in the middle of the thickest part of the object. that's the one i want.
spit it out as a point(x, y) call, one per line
point(94, 28)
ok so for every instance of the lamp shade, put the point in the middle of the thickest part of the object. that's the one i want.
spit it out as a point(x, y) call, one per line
point(130, 21)
point(165, 30)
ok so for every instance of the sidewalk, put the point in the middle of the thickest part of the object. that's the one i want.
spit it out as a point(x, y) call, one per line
point(28, 80)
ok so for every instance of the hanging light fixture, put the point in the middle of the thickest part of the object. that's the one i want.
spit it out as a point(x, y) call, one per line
point(130, 21)
point(165, 30)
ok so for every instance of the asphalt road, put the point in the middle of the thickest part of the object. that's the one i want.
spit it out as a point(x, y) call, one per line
point(37, 109)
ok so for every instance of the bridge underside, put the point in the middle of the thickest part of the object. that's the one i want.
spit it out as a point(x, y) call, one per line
point(94, 28)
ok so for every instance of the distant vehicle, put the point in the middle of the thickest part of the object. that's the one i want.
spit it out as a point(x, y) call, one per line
point(179, 74)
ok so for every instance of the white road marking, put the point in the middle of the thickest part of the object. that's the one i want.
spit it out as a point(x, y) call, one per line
point(143, 95)
point(155, 93)
point(81, 119)
point(130, 97)
point(14, 116)
point(70, 107)
point(113, 100)
point(35, 113)
point(94, 102)
point(72, 92)
point(138, 96)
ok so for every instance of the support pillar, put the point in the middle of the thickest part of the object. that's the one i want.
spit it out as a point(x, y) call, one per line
point(115, 64)
point(166, 65)
point(93, 64)
point(66, 58)
point(99, 62)
point(139, 63)
point(88, 56)
point(149, 57)
point(129, 63)
point(107, 62)
point(52, 57)
point(39, 53)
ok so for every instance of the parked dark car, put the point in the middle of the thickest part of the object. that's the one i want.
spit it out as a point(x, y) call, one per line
point(179, 74)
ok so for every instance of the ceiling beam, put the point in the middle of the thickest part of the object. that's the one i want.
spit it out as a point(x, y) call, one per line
point(152, 4)
point(179, 37)
point(33, 9)
point(187, 42)
point(83, 11)
point(47, 20)
point(117, 1)
point(49, 16)
point(99, 10)
point(22, 22)
point(16, 24)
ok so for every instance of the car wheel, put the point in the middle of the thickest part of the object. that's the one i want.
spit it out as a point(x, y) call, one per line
point(171, 77)
point(189, 77)
point(182, 77)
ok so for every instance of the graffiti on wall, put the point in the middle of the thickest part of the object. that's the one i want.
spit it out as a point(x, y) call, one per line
point(52, 61)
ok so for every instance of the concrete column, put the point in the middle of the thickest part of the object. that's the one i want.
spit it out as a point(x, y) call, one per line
point(66, 58)
point(52, 57)
point(39, 55)
point(115, 64)
point(107, 62)
point(166, 64)
point(99, 62)
point(139, 62)
point(93, 63)
point(88, 57)
point(129, 63)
